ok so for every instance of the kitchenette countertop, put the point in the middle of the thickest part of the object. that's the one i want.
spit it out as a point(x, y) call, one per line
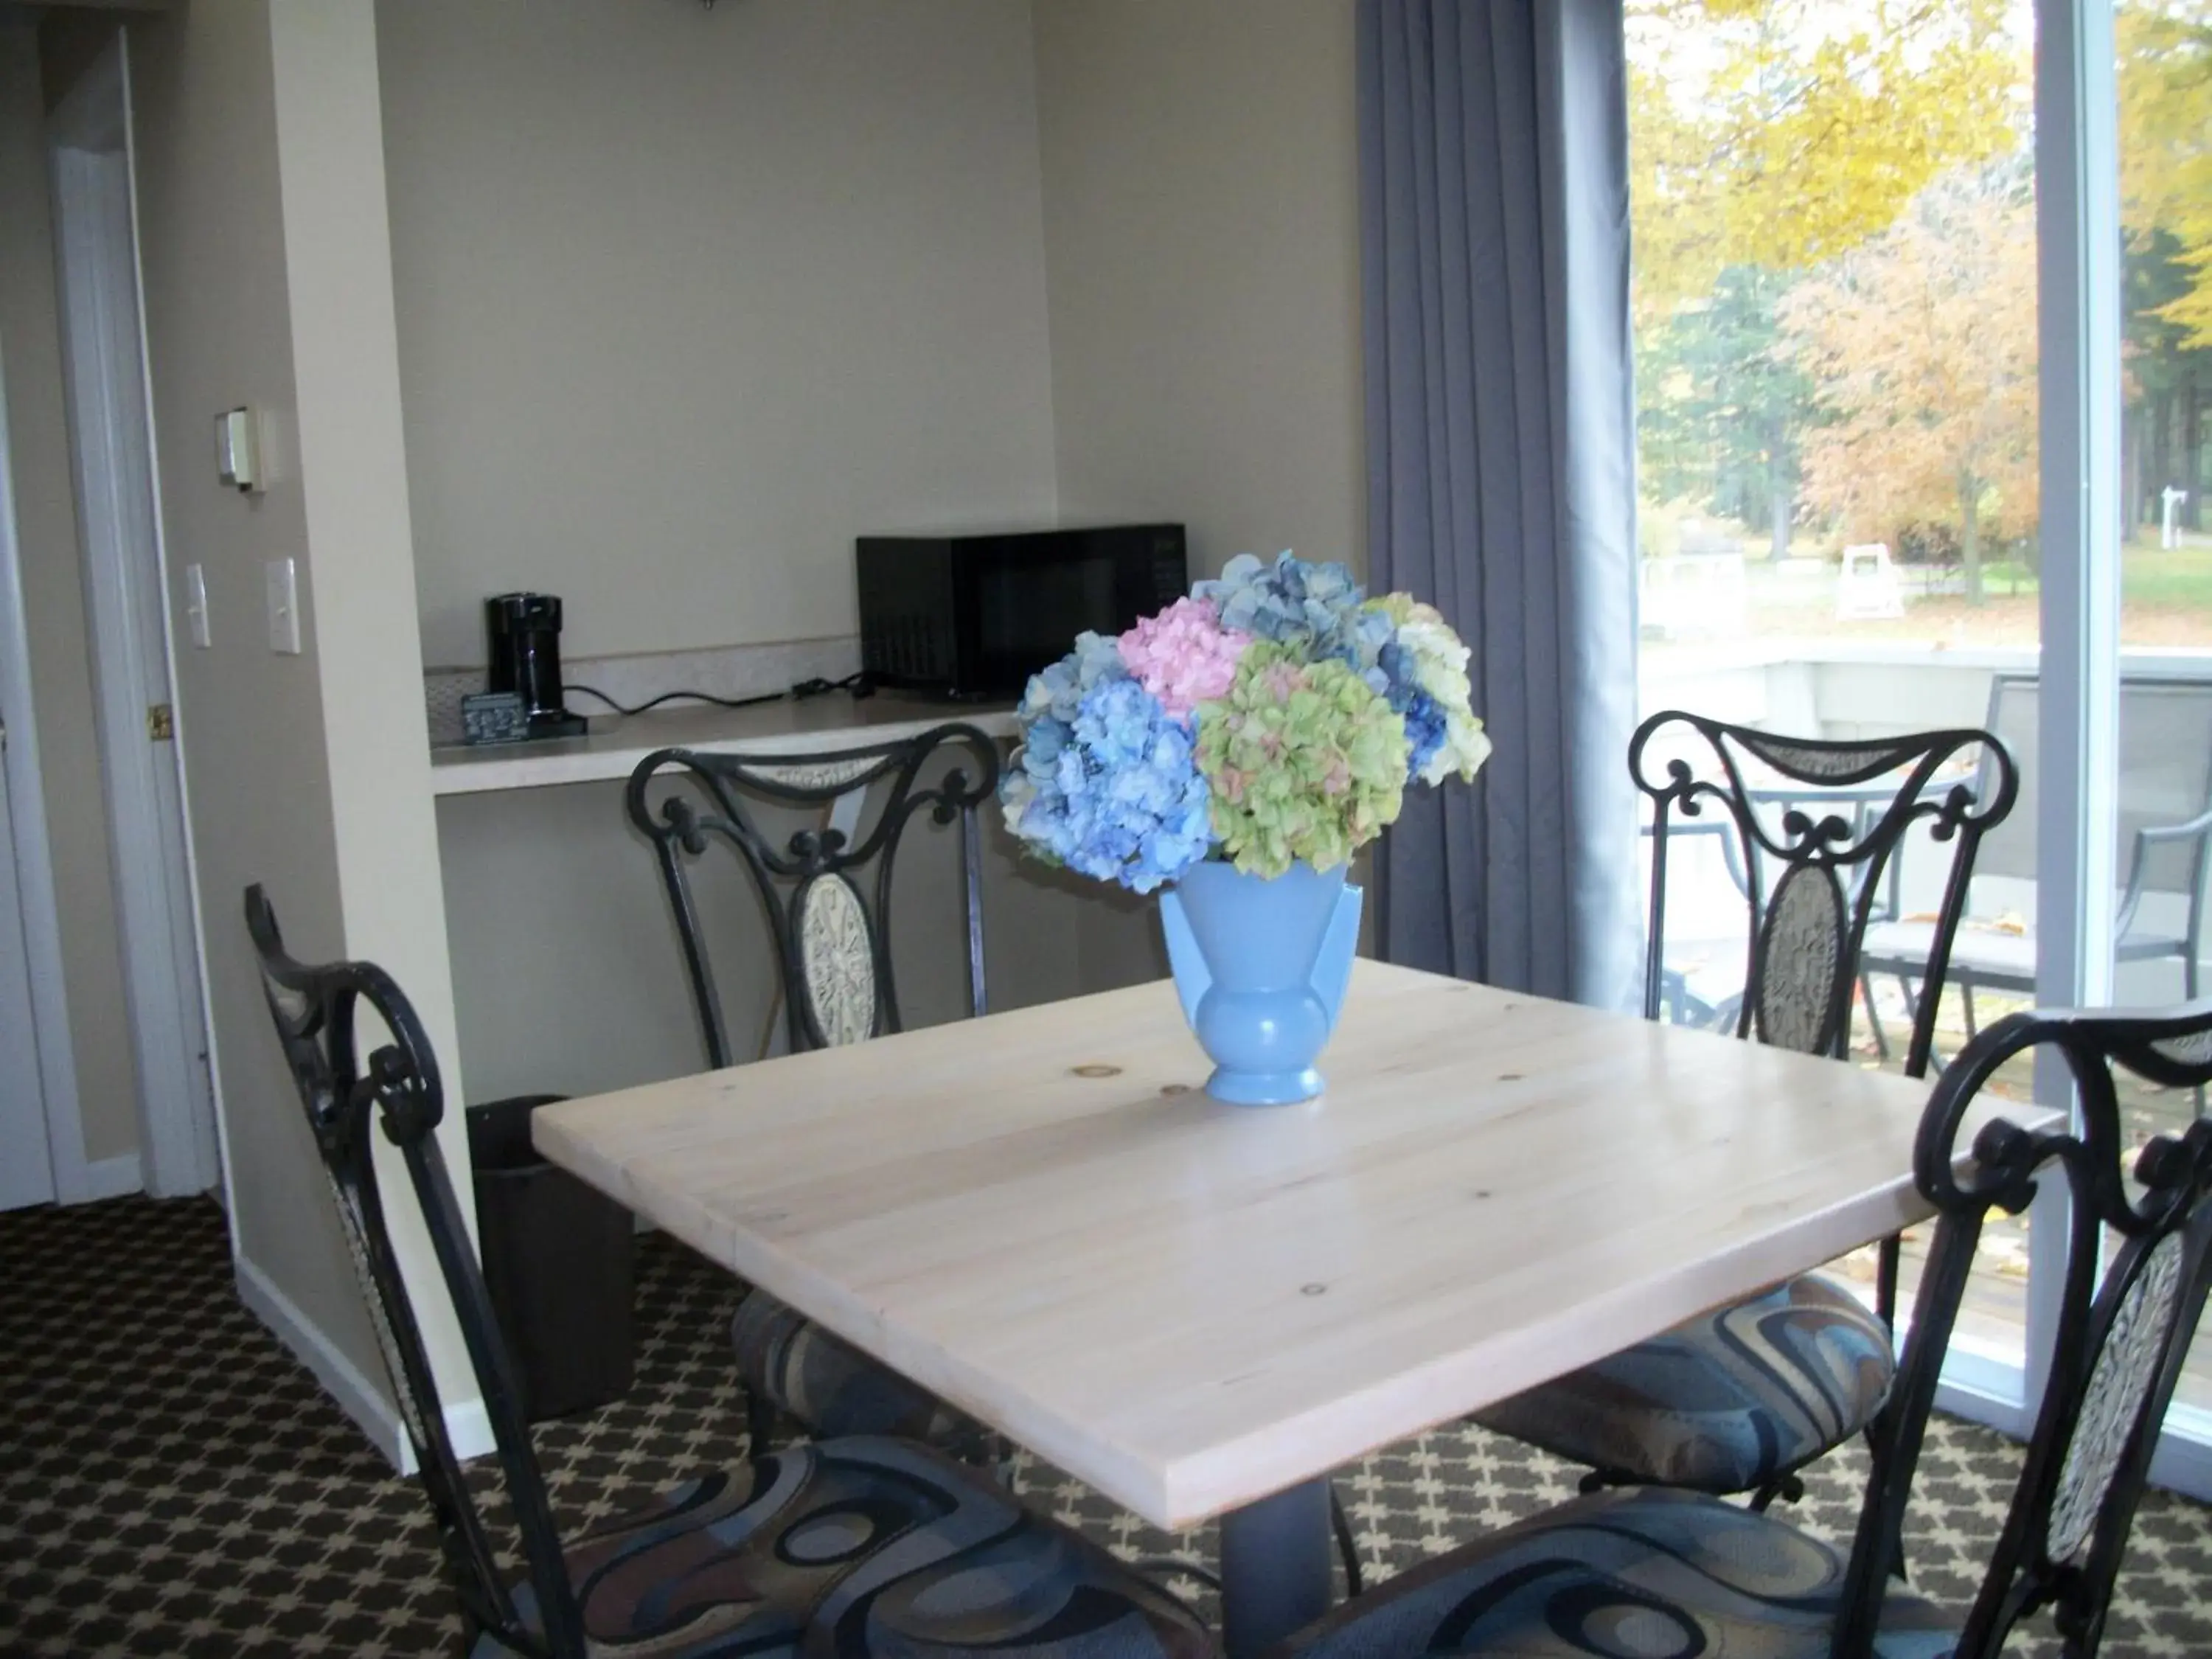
point(827, 725)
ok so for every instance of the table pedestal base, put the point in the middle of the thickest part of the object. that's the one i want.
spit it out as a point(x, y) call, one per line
point(1275, 1568)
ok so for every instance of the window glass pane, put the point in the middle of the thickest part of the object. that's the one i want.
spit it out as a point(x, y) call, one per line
point(1835, 293)
point(2164, 786)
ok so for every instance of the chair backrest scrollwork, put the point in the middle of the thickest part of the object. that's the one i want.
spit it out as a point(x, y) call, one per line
point(1812, 876)
point(827, 894)
point(316, 1010)
point(2122, 1334)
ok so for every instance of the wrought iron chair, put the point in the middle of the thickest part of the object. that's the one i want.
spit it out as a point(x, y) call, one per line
point(1660, 1572)
point(1738, 1399)
point(826, 889)
point(1686, 997)
point(2165, 831)
point(859, 1546)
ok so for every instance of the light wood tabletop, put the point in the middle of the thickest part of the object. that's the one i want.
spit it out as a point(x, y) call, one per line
point(1193, 1306)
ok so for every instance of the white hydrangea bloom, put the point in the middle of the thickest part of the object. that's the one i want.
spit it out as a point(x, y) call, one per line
point(1463, 751)
point(1440, 661)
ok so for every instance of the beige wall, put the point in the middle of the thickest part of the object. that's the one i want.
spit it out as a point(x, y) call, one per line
point(568, 976)
point(219, 334)
point(1202, 233)
point(688, 299)
point(1197, 168)
point(54, 606)
point(1202, 240)
point(261, 188)
point(360, 593)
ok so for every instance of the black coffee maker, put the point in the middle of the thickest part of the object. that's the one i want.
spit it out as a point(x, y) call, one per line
point(524, 633)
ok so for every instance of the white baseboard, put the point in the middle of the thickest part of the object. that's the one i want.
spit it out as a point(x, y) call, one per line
point(2183, 1462)
point(107, 1177)
point(1974, 1387)
point(364, 1402)
point(468, 1427)
point(360, 1399)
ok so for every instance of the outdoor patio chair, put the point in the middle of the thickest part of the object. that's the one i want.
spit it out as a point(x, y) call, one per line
point(1738, 1399)
point(1654, 1572)
point(2164, 842)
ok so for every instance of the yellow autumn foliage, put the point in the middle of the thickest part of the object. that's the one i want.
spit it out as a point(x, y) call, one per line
point(2166, 141)
point(1922, 347)
point(1783, 133)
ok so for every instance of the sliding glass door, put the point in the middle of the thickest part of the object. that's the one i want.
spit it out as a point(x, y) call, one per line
point(2157, 789)
point(1923, 305)
point(1837, 387)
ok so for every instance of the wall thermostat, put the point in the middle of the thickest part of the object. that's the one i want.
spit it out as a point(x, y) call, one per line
point(237, 452)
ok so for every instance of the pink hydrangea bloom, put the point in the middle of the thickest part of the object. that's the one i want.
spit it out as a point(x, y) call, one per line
point(1183, 656)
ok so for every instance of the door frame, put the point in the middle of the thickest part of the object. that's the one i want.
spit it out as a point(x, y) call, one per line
point(2077, 163)
point(112, 453)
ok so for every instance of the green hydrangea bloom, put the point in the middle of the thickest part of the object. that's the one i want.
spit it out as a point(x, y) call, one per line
point(1305, 760)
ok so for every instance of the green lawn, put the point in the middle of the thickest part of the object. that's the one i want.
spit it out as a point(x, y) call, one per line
point(2166, 600)
point(2149, 574)
point(2181, 579)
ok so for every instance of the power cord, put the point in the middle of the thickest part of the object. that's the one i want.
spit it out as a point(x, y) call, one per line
point(859, 684)
point(673, 696)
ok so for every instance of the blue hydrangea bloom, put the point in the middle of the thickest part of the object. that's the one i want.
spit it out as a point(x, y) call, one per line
point(1370, 641)
point(1049, 702)
point(1057, 691)
point(1113, 791)
point(1424, 731)
point(1317, 605)
point(1398, 675)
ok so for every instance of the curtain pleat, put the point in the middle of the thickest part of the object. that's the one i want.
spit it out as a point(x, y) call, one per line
point(1493, 172)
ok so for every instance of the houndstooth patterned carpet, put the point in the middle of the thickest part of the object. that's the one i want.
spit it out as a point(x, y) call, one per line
point(173, 1483)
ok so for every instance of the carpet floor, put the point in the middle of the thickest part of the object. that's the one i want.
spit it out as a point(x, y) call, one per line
point(173, 1482)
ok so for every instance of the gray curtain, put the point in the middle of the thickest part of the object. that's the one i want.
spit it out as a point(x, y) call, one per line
point(1501, 472)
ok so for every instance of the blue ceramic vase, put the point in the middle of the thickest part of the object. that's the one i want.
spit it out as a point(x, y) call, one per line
point(1261, 964)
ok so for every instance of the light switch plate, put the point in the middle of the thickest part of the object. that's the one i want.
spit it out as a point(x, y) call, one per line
point(195, 611)
point(283, 584)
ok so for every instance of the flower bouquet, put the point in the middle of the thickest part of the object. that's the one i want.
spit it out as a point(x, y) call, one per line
point(1242, 746)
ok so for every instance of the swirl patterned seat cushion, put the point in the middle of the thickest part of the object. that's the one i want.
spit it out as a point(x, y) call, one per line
point(833, 1387)
point(865, 1546)
point(1725, 1402)
point(1653, 1573)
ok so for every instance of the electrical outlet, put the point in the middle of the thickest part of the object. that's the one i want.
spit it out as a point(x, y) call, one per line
point(283, 584)
point(196, 609)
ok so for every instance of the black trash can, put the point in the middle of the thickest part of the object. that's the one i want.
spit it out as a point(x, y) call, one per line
point(557, 1262)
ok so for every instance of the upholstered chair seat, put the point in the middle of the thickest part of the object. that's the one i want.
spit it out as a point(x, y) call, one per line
point(1659, 1574)
point(786, 1359)
point(866, 1547)
point(1809, 831)
point(861, 1545)
point(1655, 1572)
point(1730, 1402)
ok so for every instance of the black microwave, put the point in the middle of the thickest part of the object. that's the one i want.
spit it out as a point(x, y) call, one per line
point(974, 616)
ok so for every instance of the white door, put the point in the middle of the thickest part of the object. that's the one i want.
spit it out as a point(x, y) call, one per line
point(27, 1171)
point(26, 1174)
point(112, 452)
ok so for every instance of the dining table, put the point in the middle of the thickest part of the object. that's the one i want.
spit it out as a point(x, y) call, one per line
point(1204, 1309)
